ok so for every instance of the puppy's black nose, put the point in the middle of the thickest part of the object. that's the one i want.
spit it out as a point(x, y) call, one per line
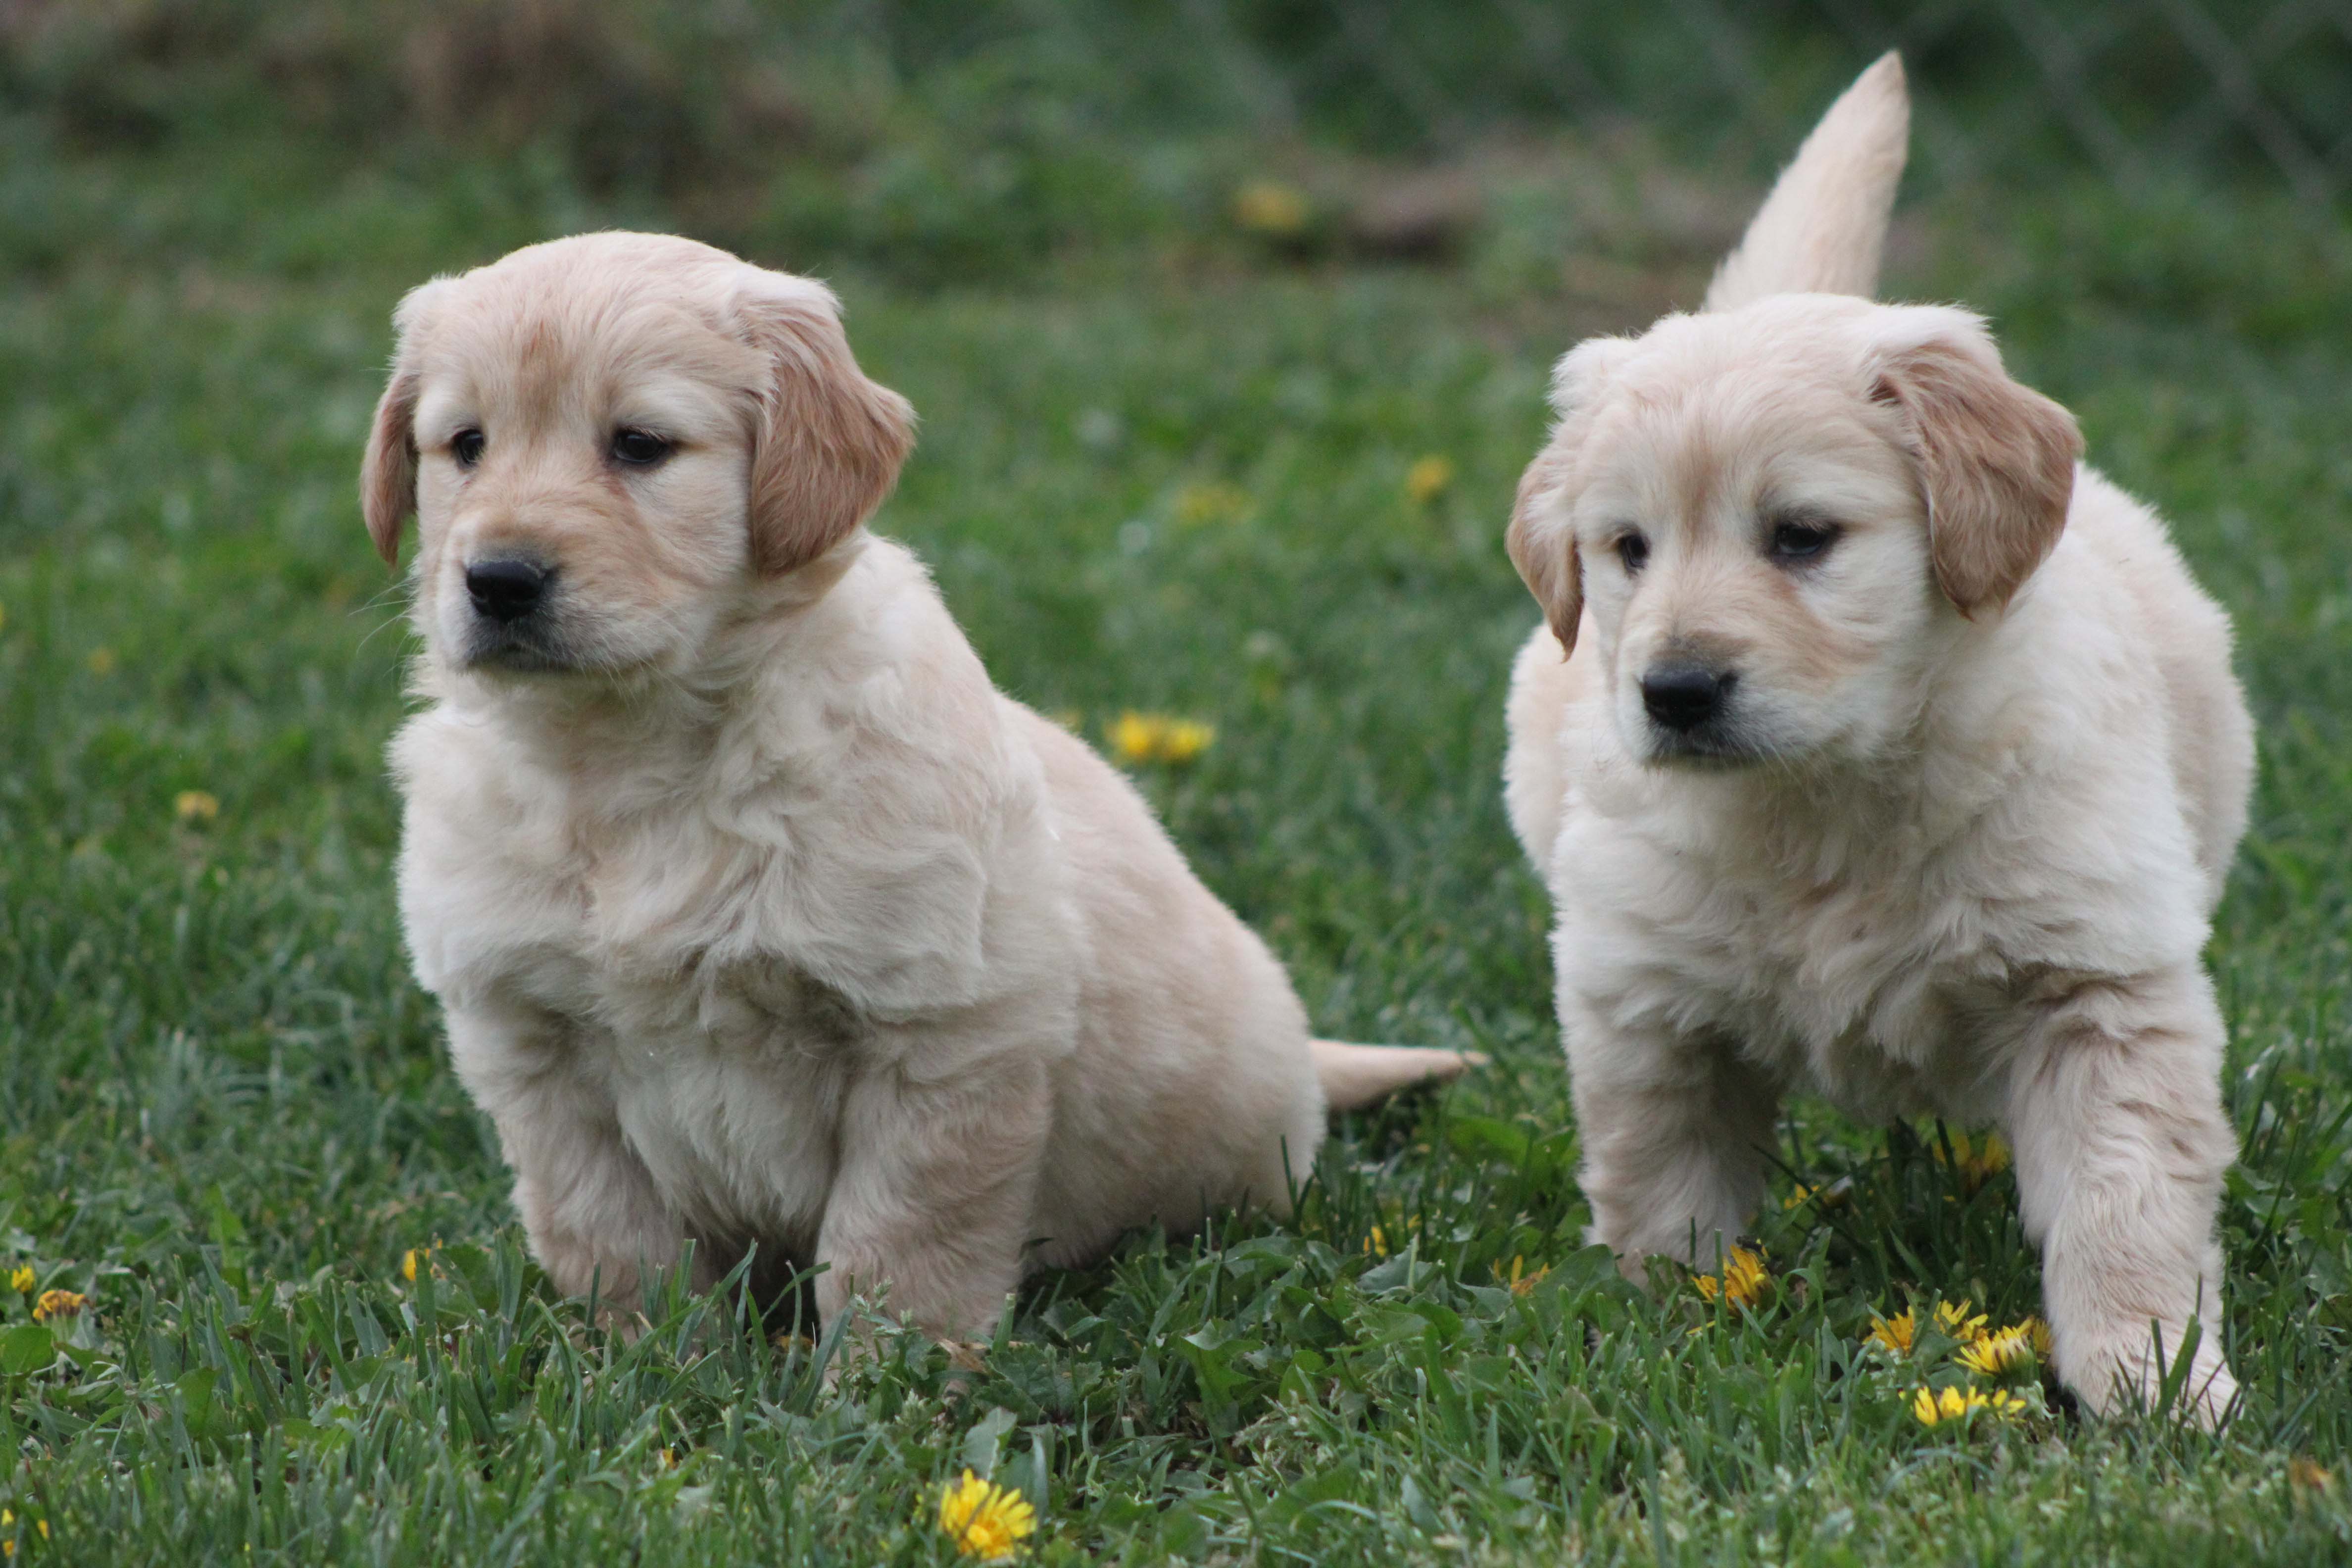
point(506, 590)
point(1685, 696)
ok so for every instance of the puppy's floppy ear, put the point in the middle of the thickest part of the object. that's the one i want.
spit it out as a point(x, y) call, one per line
point(1545, 552)
point(388, 471)
point(827, 443)
point(1539, 543)
point(1997, 459)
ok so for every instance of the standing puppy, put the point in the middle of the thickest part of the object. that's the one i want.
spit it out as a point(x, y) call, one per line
point(1873, 746)
point(757, 915)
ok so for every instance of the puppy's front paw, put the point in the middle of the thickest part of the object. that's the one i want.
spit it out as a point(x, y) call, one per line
point(2127, 1376)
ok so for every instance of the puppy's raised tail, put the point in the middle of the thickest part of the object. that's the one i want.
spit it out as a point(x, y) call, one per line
point(1824, 227)
point(1354, 1076)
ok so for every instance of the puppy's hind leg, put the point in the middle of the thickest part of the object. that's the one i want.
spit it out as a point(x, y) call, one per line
point(1676, 1133)
point(2116, 1114)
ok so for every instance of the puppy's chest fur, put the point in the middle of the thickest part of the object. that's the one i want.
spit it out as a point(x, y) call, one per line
point(1881, 983)
point(661, 951)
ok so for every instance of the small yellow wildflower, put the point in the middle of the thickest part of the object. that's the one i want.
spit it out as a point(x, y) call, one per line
point(1978, 1162)
point(1744, 1281)
point(101, 661)
point(1185, 740)
point(1998, 1353)
point(1954, 1322)
point(985, 1520)
point(1212, 502)
point(195, 806)
point(1428, 478)
point(1834, 1195)
point(1934, 1409)
point(1157, 738)
point(59, 1304)
point(2037, 1334)
point(408, 1266)
point(1520, 1282)
point(1270, 208)
point(7, 1520)
point(1377, 1243)
point(20, 1280)
point(1895, 1333)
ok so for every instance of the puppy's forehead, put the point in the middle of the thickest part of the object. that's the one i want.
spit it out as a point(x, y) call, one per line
point(593, 317)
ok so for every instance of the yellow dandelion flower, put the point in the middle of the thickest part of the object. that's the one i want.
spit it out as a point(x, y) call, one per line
point(1428, 478)
point(1977, 1160)
point(1184, 739)
point(1895, 1333)
point(1932, 1409)
point(2037, 1334)
point(1744, 1281)
point(59, 1304)
point(101, 661)
point(2000, 1352)
point(20, 1280)
point(985, 1520)
point(1270, 208)
point(1156, 738)
point(1834, 1195)
point(1135, 737)
point(1519, 1281)
point(1212, 502)
point(7, 1522)
point(1954, 1322)
point(195, 806)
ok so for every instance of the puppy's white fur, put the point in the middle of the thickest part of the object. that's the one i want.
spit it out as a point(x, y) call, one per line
point(1954, 839)
point(757, 915)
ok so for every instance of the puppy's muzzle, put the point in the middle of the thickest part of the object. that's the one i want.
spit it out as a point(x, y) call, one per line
point(506, 590)
point(1683, 697)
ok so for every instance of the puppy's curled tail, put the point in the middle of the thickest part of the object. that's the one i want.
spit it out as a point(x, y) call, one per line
point(1823, 227)
point(1354, 1076)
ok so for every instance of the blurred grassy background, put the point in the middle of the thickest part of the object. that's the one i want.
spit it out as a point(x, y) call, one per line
point(1229, 322)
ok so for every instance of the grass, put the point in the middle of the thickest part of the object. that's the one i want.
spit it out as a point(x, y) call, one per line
point(1155, 483)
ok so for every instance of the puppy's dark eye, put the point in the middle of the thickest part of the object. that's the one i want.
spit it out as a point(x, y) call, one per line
point(1633, 550)
point(465, 446)
point(639, 448)
point(1800, 539)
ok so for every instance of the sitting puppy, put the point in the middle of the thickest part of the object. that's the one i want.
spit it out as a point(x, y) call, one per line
point(759, 916)
point(1874, 746)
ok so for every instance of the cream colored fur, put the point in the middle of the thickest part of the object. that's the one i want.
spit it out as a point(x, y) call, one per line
point(757, 915)
point(1955, 840)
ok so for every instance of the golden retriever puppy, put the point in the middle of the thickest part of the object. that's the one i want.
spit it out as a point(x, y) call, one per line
point(1874, 746)
point(759, 916)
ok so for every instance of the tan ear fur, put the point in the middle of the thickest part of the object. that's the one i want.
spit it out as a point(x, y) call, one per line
point(388, 472)
point(1997, 462)
point(829, 442)
point(1546, 557)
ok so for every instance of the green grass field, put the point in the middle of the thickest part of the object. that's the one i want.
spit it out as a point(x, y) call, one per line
point(1173, 482)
